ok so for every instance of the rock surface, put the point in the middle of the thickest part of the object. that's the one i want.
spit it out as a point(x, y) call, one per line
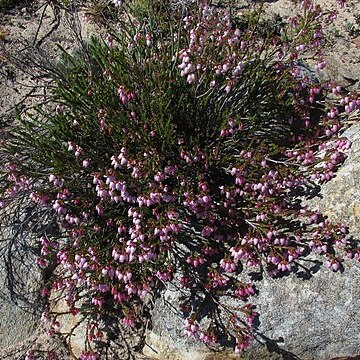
point(317, 318)
point(20, 279)
point(341, 196)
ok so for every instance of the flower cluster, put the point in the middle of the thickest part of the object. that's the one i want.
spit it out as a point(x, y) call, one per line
point(188, 164)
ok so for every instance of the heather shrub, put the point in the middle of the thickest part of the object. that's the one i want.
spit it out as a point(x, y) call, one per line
point(178, 149)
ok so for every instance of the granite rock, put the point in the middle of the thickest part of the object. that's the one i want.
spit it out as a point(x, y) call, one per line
point(20, 278)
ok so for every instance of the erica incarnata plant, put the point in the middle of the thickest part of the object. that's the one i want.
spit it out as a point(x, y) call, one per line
point(178, 150)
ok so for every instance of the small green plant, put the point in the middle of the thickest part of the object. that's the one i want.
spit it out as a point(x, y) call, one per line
point(177, 149)
point(352, 28)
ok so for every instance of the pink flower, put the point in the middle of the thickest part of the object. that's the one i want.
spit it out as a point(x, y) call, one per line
point(227, 265)
point(128, 321)
point(191, 327)
point(29, 355)
point(241, 346)
point(89, 356)
point(100, 210)
point(191, 78)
